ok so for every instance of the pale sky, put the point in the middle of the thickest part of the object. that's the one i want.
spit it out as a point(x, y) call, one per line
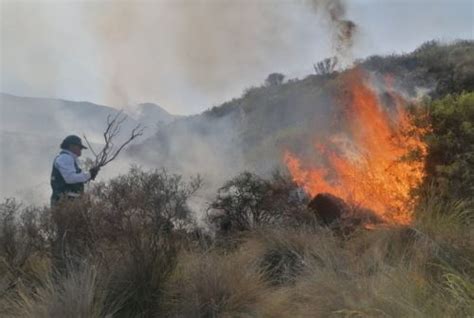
point(188, 55)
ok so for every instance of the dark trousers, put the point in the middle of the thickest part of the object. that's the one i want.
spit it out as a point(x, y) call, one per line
point(66, 249)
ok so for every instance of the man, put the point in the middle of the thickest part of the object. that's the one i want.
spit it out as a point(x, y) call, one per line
point(67, 178)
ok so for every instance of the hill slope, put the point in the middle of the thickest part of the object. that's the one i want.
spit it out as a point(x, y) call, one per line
point(251, 131)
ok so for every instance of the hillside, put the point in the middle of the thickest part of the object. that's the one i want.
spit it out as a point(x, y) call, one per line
point(251, 131)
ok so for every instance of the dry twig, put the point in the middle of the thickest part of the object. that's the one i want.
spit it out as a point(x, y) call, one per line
point(109, 152)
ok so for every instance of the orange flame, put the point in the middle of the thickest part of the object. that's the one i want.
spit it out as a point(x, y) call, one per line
point(367, 169)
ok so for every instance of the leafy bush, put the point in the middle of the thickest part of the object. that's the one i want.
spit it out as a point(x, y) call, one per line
point(249, 201)
point(155, 199)
point(21, 233)
point(450, 162)
point(451, 65)
point(138, 214)
point(447, 68)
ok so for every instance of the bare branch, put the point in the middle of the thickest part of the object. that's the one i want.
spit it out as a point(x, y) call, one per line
point(89, 146)
point(109, 152)
point(326, 66)
point(136, 132)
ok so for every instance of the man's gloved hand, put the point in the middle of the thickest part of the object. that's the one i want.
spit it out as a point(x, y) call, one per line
point(94, 171)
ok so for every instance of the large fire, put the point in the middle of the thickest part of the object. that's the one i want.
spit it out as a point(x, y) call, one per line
point(367, 166)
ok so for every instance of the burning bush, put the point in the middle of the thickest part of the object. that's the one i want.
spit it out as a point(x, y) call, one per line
point(365, 166)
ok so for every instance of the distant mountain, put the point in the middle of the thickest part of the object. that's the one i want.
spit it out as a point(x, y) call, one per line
point(153, 116)
point(31, 130)
point(53, 116)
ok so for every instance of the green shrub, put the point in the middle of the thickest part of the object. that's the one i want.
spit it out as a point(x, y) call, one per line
point(450, 161)
point(249, 201)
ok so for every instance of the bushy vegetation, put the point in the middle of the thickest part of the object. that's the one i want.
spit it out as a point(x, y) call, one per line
point(249, 201)
point(445, 68)
point(118, 243)
point(450, 164)
point(130, 248)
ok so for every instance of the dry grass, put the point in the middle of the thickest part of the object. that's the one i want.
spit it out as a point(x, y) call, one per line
point(79, 294)
point(386, 273)
point(215, 285)
point(445, 219)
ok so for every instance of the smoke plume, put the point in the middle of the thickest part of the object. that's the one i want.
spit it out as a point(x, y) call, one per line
point(341, 28)
point(150, 49)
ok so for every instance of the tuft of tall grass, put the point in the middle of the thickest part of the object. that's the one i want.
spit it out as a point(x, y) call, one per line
point(386, 272)
point(79, 294)
point(215, 285)
point(283, 253)
point(445, 219)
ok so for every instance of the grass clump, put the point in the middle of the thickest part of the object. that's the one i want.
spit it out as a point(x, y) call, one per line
point(216, 285)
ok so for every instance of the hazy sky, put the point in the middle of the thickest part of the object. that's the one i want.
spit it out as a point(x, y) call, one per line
point(188, 55)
